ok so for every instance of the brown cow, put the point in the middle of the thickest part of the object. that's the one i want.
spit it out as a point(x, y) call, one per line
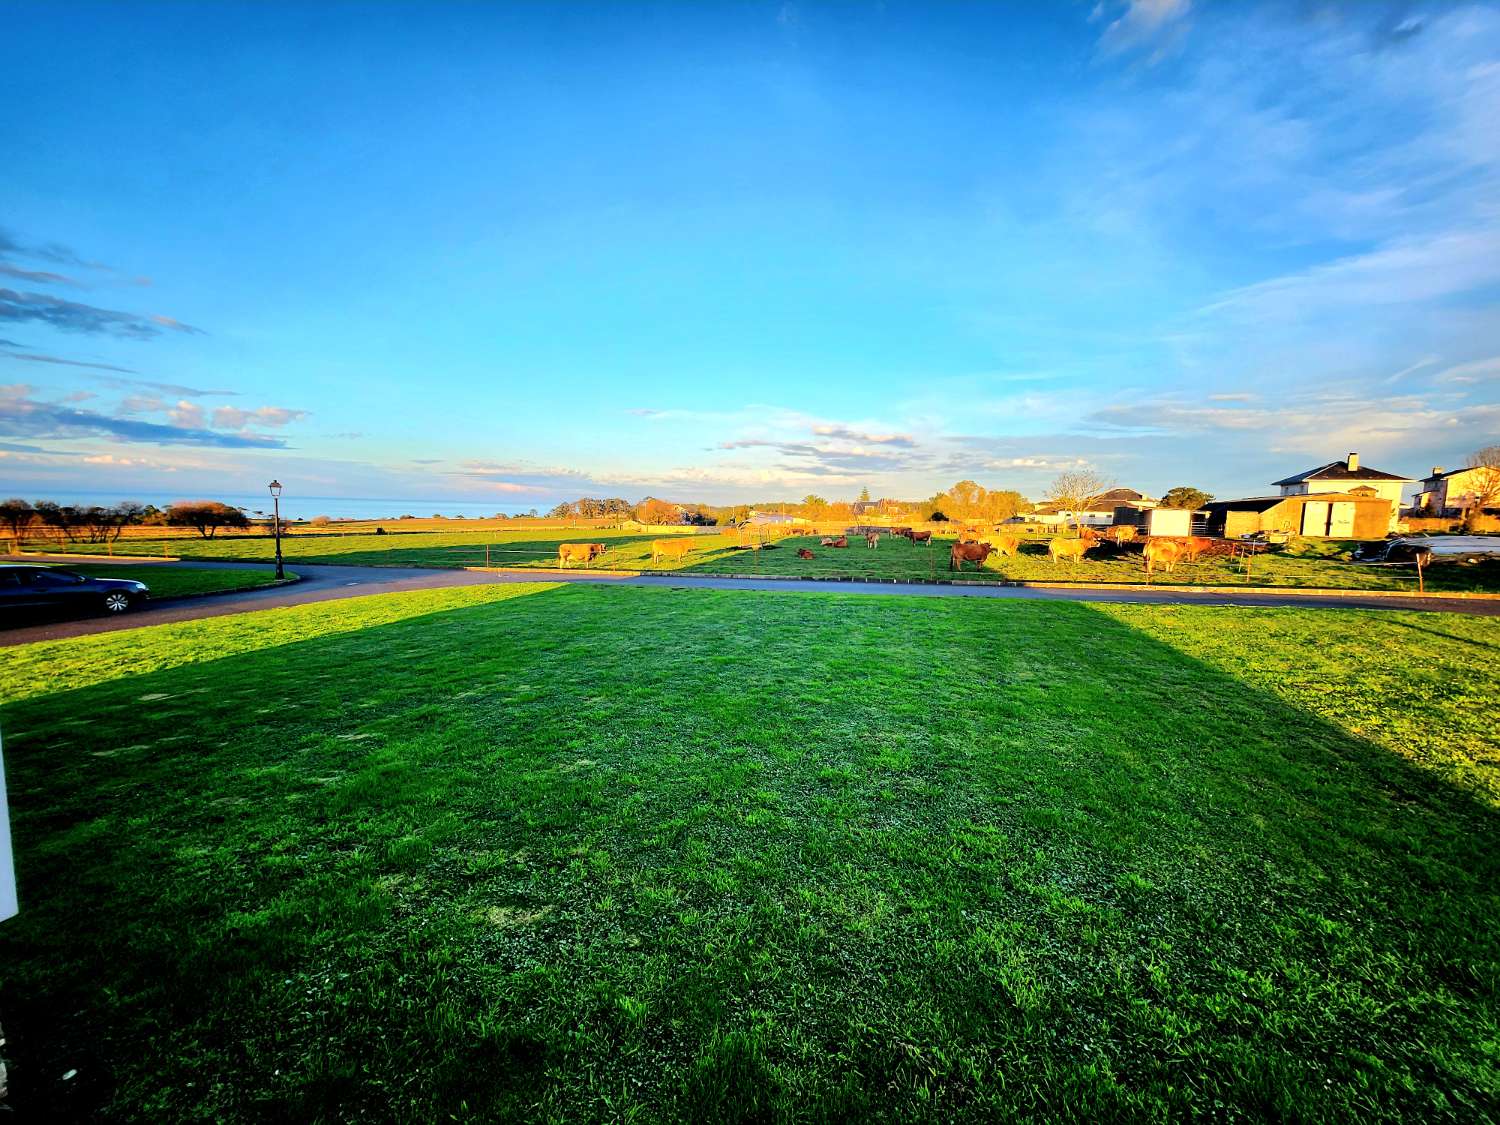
point(1068, 550)
point(578, 552)
point(975, 553)
point(804, 553)
point(671, 548)
point(920, 537)
point(872, 539)
point(1006, 544)
point(904, 532)
point(1161, 552)
point(1121, 534)
point(1193, 546)
point(835, 541)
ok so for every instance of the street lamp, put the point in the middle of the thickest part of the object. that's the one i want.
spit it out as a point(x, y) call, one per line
point(275, 487)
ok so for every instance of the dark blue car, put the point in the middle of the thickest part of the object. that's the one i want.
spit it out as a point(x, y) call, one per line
point(36, 589)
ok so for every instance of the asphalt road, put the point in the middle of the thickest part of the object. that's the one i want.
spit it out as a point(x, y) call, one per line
point(322, 583)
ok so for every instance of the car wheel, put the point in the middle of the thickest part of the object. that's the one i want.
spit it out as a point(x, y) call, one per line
point(116, 603)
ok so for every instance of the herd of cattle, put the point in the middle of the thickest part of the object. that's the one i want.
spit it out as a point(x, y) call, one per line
point(1158, 553)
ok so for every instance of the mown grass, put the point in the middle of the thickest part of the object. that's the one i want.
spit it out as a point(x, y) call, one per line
point(181, 582)
point(1311, 563)
point(635, 854)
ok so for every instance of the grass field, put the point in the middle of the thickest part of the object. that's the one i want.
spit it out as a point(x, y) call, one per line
point(572, 853)
point(178, 582)
point(1313, 563)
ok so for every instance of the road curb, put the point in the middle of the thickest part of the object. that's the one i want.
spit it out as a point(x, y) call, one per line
point(83, 557)
point(274, 584)
point(1019, 583)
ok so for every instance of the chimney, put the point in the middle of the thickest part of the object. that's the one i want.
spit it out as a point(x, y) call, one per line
point(1437, 470)
point(1353, 462)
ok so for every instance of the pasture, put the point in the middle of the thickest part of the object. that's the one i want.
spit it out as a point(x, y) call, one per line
point(570, 853)
point(1311, 563)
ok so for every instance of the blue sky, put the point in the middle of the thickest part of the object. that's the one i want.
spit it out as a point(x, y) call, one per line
point(736, 251)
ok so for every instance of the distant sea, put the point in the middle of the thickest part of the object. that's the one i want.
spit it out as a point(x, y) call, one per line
point(292, 506)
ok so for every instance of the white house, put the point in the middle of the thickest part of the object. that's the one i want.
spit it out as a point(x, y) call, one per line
point(1349, 476)
point(1099, 513)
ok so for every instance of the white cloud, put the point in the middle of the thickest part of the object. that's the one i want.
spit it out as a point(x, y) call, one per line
point(1157, 25)
point(233, 418)
point(188, 415)
point(1477, 371)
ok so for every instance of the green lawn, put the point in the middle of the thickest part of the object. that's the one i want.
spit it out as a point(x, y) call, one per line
point(1313, 563)
point(178, 582)
point(578, 853)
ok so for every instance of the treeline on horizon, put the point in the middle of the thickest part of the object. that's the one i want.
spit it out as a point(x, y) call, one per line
point(965, 500)
point(98, 523)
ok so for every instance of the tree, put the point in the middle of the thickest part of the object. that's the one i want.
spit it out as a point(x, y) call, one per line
point(105, 524)
point(1185, 496)
point(1075, 489)
point(320, 521)
point(561, 511)
point(60, 520)
point(207, 516)
point(654, 511)
point(864, 495)
point(813, 505)
point(1484, 492)
point(1004, 503)
point(16, 516)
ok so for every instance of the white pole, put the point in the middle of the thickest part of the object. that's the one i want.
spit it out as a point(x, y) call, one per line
point(7, 861)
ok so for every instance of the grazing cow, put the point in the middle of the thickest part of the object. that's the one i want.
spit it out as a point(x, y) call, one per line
point(1193, 546)
point(578, 552)
point(1068, 550)
point(671, 548)
point(1121, 534)
point(904, 532)
point(872, 539)
point(1161, 552)
point(975, 553)
point(836, 541)
point(1006, 544)
point(804, 553)
point(920, 537)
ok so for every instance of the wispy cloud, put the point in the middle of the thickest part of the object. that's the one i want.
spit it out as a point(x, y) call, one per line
point(1464, 374)
point(21, 415)
point(74, 316)
point(35, 277)
point(844, 432)
point(165, 388)
point(233, 418)
point(1152, 26)
point(35, 357)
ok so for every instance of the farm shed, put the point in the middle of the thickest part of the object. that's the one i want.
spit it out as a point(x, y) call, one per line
point(1335, 515)
point(1155, 521)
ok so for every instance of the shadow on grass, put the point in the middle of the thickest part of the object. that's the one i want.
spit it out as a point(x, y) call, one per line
point(754, 856)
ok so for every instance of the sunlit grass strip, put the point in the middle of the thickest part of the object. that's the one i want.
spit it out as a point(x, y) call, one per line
point(64, 665)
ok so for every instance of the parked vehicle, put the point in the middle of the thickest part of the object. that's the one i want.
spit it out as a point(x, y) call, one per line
point(34, 589)
point(1434, 548)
